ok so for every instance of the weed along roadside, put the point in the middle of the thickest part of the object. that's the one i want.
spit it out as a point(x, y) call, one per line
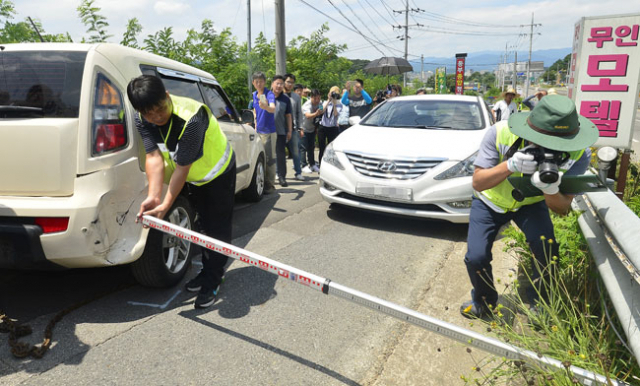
point(576, 324)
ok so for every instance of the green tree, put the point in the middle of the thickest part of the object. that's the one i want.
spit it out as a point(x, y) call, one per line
point(96, 24)
point(315, 61)
point(130, 37)
point(7, 9)
point(163, 44)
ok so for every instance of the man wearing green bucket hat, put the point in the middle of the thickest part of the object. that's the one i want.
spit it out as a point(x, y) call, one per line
point(554, 132)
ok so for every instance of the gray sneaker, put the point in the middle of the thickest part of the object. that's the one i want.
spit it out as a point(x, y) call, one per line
point(299, 177)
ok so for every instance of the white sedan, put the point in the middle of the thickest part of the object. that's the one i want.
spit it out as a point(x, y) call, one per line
point(410, 156)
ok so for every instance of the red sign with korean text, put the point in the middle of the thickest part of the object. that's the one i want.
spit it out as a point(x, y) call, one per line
point(604, 75)
point(459, 75)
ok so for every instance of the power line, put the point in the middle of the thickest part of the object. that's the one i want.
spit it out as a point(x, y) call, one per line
point(351, 29)
point(389, 10)
point(446, 19)
point(354, 14)
point(376, 11)
point(371, 18)
point(458, 32)
point(354, 27)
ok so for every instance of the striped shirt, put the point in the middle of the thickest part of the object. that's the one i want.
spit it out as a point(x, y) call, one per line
point(189, 148)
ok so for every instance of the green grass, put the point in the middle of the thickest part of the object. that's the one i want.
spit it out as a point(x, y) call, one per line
point(577, 325)
point(571, 326)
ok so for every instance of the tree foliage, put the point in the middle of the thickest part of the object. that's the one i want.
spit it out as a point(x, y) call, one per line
point(560, 65)
point(96, 24)
point(7, 9)
point(23, 31)
point(130, 37)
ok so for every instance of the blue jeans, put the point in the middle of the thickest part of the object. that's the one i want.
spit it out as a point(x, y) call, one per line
point(484, 224)
point(294, 149)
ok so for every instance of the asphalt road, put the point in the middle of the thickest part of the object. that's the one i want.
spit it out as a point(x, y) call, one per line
point(262, 330)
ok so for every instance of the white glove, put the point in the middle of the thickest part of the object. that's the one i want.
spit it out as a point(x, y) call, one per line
point(522, 163)
point(546, 188)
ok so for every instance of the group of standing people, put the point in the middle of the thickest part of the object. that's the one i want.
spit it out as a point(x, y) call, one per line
point(284, 120)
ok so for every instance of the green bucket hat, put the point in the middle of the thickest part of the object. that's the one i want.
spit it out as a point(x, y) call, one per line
point(555, 124)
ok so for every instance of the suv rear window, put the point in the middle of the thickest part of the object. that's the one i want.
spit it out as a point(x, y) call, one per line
point(43, 84)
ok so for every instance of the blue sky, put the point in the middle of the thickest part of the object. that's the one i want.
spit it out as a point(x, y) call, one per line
point(496, 24)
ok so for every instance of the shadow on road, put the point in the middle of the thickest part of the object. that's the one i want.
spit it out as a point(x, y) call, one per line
point(244, 288)
point(193, 315)
point(34, 297)
point(398, 224)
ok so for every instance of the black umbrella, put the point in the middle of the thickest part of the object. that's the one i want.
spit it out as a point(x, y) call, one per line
point(388, 66)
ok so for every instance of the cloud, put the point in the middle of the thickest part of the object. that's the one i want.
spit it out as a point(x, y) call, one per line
point(170, 7)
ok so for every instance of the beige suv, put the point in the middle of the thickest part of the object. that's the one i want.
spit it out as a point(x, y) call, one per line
point(72, 163)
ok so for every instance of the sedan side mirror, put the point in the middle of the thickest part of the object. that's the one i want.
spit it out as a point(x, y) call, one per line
point(247, 117)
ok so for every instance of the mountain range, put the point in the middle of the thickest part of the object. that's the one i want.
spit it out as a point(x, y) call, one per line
point(488, 60)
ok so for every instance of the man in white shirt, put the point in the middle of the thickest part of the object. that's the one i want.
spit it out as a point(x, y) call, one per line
point(504, 108)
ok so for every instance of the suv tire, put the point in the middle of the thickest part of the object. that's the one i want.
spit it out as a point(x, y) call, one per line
point(167, 258)
point(255, 191)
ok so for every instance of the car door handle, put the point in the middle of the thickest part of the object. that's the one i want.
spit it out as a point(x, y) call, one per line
point(252, 137)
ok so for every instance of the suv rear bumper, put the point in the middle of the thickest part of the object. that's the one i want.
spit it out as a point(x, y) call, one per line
point(20, 247)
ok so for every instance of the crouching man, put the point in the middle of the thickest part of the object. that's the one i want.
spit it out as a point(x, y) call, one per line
point(184, 142)
point(553, 125)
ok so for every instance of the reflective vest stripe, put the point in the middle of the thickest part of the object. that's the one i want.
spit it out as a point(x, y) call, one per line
point(217, 150)
point(499, 197)
point(217, 168)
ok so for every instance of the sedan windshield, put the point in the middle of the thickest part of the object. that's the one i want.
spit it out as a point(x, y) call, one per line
point(427, 114)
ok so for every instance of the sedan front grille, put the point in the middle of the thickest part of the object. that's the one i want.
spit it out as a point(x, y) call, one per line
point(391, 168)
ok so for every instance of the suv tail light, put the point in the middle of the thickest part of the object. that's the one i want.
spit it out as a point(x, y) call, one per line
point(109, 137)
point(52, 224)
point(109, 128)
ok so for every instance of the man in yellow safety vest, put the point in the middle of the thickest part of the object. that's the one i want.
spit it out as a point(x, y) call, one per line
point(553, 134)
point(185, 145)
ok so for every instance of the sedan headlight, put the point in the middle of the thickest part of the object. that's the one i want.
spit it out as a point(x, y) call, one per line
point(461, 169)
point(331, 157)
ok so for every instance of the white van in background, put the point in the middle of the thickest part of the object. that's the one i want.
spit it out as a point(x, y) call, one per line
point(72, 163)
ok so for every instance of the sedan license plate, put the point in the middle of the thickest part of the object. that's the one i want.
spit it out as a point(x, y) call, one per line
point(381, 191)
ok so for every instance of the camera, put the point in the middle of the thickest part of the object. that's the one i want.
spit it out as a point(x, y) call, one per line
point(548, 162)
point(380, 96)
point(335, 95)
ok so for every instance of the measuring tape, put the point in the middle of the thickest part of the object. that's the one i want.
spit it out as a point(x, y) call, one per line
point(327, 287)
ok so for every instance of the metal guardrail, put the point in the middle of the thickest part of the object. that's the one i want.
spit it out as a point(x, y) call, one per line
point(612, 231)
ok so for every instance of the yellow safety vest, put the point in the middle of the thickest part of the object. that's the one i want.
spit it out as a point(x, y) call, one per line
point(216, 152)
point(500, 195)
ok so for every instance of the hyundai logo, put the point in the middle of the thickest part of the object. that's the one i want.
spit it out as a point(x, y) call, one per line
point(387, 166)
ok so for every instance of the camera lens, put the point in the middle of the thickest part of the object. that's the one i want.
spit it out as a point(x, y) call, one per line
point(548, 172)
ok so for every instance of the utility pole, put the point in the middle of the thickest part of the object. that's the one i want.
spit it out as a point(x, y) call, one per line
point(506, 59)
point(249, 70)
point(406, 31)
point(527, 80)
point(504, 71)
point(515, 72)
point(281, 47)
point(422, 68)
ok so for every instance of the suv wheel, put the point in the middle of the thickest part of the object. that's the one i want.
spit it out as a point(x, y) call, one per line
point(254, 192)
point(166, 258)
